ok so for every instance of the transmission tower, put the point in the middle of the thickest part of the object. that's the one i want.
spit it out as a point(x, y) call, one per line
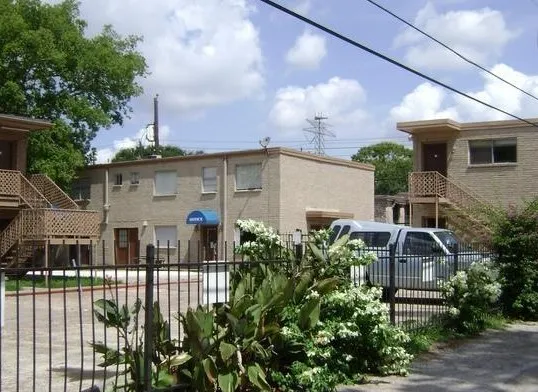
point(320, 130)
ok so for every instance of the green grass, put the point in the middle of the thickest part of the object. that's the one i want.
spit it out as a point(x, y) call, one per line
point(423, 339)
point(55, 282)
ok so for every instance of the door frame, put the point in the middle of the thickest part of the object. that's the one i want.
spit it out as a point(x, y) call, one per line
point(212, 252)
point(424, 156)
point(132, 246)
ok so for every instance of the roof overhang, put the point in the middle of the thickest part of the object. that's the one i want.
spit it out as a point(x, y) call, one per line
point(328, 214)
point(428, 126)
point(9, 123)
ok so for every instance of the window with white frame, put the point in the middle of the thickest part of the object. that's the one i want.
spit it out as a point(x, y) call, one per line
point(248, 177)
point(483, 152)
point(165, 236)
point(165, 183)
point(209, 179)
point(135, 178)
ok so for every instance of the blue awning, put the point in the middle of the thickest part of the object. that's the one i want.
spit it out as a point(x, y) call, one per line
point(203, 217)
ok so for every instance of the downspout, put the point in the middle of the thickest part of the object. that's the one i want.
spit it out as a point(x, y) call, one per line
point(106, 206)
point(224, 195)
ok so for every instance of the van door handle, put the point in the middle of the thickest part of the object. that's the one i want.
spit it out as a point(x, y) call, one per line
point(402, 260)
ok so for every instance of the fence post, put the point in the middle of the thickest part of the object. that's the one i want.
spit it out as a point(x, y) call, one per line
point(148, 320)
point(456, 261)
point(392, 283)
point(298, 242)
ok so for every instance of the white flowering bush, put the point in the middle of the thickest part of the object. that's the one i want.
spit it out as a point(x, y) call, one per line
point(471, 296)
point(264, 242)
point(353, 338)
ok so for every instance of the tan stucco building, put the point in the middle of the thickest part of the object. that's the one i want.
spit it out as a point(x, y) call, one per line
point(193, 202)
point(462, 166)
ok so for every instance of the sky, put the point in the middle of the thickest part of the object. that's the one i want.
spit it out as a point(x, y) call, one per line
point(232, 72)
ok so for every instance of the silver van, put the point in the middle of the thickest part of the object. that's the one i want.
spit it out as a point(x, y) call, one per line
point(423, 255)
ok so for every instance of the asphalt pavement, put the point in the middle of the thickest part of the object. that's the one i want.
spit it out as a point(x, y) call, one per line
point(504, 360)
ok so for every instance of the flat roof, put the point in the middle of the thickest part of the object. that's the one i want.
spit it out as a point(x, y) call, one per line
point(252, 152)
point(415, 127)
point(19, 123)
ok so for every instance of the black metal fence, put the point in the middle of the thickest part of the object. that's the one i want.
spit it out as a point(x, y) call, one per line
point(48, 317)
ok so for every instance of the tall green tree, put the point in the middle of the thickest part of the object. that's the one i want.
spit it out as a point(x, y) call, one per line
point(141, 152)
point(50, 69)
point(393, 162)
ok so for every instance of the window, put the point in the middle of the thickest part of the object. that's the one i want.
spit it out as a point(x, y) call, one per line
point(373, 239)
point(165, 235)
point(135, 178)
point(122, 239)
point(165, 183)
point(248, 177)
point(419, 243)
point(334, 234)
point(81, 189)
point(492, 151)
point(209, 179)
point(119, 179)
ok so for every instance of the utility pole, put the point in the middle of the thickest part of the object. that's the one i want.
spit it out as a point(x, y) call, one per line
point(156, 121)
point(320, 130)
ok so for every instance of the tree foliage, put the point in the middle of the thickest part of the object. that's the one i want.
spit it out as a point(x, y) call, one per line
point(393, 162)
point(51, 70)
point(141, 152)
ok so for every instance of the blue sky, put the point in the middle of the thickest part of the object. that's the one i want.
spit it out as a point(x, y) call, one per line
point(230, 72)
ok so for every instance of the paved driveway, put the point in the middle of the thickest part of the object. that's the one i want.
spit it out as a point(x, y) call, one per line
point(496, 361)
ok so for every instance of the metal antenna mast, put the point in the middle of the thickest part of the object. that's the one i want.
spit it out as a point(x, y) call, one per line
point(320, 130)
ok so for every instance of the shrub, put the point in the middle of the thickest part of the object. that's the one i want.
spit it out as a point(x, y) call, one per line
point(515, 241)
point(471, 295)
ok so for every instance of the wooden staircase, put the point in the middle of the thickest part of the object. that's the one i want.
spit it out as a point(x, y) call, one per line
point(467, 214)
point(46, 214)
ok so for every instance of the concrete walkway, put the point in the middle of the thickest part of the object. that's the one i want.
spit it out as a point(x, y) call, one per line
point(504, 360)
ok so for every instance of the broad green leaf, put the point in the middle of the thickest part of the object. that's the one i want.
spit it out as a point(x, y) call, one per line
point(309, 313)
point(227, 350)
point(325, 286)
point(210, 369)
point(228, 382)
point(163, 379)
point(256, 376)
point(178, 359)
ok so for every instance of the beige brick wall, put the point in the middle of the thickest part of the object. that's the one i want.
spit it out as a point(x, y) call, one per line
point(502, 184)
point(290, 184)
point(310, 184)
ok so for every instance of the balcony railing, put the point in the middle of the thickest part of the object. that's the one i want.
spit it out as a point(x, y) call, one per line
point(14, 185)
point(434, 184)
point(54, 223)
point(52, 192)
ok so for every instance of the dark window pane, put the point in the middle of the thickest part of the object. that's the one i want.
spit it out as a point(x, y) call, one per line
point(504, 151)
point(479, 152)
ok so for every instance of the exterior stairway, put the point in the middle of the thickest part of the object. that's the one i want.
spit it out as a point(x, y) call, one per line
point(467, 214)
point(46, 214)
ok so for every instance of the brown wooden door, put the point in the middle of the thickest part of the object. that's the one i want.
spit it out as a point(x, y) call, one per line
point(126, 245)
point(6, 157)
point(210, 238)
point(434, 157)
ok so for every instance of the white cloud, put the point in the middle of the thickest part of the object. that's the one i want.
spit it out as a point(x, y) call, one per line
point(430, 102)
point(307, 52)
point(303, 7)
point(342, 100)
point(200, 54)
point(480, 35)
point(144, 136)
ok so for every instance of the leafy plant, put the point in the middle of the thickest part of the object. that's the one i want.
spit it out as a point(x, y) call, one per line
point(130, 355)
point(471, 295)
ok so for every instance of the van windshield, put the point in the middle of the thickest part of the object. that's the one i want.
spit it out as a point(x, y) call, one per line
point(448, 239)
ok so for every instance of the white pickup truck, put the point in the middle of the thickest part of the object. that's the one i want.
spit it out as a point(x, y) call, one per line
point(423, 255)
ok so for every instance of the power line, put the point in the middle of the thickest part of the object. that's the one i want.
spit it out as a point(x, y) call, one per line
point(390, 60)
point(461, 56)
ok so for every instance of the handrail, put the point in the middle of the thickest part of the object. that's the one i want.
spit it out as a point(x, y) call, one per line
point(10, 235)
point(52, 192)
point(428, 184)
point(14, 184)
point(31, 195)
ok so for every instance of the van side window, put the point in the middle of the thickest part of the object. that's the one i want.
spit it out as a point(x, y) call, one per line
point(372, 239)
point(344, 231)
point(419, 243)
point(334, 234)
